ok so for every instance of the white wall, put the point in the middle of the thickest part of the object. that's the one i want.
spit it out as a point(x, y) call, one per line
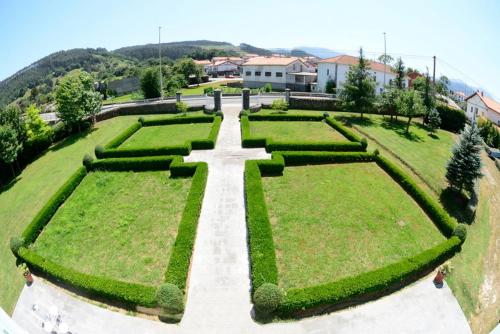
point(476, 106)
point(263, 69)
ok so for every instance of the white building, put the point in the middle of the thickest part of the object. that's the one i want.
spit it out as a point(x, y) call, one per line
point(222, 67)
point(280, 72)
point(479, 105)
point(336, 68)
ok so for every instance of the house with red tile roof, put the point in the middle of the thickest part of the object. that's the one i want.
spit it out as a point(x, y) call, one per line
point(479, 105)
point(336, 68)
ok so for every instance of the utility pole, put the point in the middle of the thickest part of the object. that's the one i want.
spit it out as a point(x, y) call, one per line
point(159, 54)
point(434, 70)
point(385, 58)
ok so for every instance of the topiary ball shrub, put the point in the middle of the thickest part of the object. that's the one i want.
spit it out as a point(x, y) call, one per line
point(170, 298)
point(364, 143)
point(267, 298)
point(460, 232)
point(220, 114)
point(16, 243)
point(376, 152)
point(141, 119)
point(326, 115)
point(99, 151)
point(87, 161)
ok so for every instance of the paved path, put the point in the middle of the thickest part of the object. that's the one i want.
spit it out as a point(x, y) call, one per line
point(219, 283)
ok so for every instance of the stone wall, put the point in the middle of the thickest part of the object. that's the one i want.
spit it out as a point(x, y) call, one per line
point(314, 103)
point(123, 86)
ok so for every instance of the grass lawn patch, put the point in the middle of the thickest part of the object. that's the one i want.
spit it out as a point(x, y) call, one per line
point(426, 153)
point(335, 221)
point(295, 131)
point(167, 135)
point(120, 225)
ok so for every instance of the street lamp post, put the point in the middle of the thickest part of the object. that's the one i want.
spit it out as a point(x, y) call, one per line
point(385, 59)
point(159, 54)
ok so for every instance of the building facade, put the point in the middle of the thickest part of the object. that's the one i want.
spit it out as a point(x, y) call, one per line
point(335, 69)
point(479, 105)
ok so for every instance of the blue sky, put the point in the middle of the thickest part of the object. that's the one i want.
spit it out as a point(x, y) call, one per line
point(463, 34)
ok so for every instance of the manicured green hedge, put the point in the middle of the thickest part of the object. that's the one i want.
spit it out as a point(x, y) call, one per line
point(439, 216)
point(96, 286)
point(342, 129)
point(177, 120)
point(303, 158)
point(133, 164)
point(246, 141)
point(178, 266)
point(178, 168)
point(369, 282)
point(146, 152)
point(263, 257)
point(346, 146)
point(45, 214)
point(274, 166)
point(123, 136)
point(286, 117)
point(452, 119)
point(209, 143)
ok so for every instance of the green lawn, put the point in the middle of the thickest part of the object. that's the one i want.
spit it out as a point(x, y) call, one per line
point(167, 135)
point(125, 98)
point(199, 90)
point(290, 111)
point(334, 221)
point(295, 131)
point(21, 201)
point(118, 224)
point(426, 154)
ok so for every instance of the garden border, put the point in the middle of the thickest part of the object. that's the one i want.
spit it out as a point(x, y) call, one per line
point(345, 291)
point(353, 142)
point(112, 150)
point(129, 294)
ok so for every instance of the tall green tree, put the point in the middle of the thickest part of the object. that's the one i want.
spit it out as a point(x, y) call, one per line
point(36, 127)
point(150, 83)
point(442, 85)
point(386, 59)
point(399, 81)
point(12, 116)
point(387, 102)
point(410, 104)
point(76, 98)
point(464, 167)
point(9, 146)
point(358, 93)
point(187, 67)
point(424, 86)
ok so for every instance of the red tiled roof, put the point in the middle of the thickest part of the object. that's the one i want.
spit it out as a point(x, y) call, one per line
point(350, 60)
point(283, 61)
point(490, 103)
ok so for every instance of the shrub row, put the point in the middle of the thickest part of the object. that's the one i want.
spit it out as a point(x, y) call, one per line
point(45, 214)
point(145, 152)
point(452, 119)
point(178, 266)
point(123, 136)
point(369, 282)
point(303, 158)
point(209, 143)
point(263, 257)
point(285, 117)
point(133, 164)
point(179, 168)
point(438, 215)
point(274, 166)
point(309, 146)
point(177, 120)
point(101, 287)
point(342, 129)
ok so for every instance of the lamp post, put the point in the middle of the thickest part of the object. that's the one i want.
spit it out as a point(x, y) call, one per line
point(159, 54)
point(385, 58)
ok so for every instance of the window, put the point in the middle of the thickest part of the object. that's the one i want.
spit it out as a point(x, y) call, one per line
point(327, 71)
point(476, 111)
point(257, 73)
point(279, 74)
point(248, 73)
point(267, 74)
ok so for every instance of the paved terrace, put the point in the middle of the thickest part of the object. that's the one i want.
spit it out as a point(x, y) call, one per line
point(219, 283)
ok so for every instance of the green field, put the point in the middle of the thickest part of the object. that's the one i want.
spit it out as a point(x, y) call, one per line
point(120, 225)
point(125, 98)
point(167, 135)
point(426, 154)
point(295, 131)
point(22, 199)
point(334, 221)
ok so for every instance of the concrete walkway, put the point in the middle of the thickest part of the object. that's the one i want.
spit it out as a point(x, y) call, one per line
point(219, 283)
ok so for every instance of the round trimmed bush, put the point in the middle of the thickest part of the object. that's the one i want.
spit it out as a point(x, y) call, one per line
point(99, 151)
point(267, 298)
point(376, 152)
point(16, 243)
point(170, 298)
point(141, 119)
point(461, 232)
point(87, 161)
point(364, 143)
point(326, 115)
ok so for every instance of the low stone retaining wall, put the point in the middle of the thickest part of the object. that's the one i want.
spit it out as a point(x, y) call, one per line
point(144, 109)
point(314, 103)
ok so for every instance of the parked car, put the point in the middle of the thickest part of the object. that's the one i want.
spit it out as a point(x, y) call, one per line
point(494, 153)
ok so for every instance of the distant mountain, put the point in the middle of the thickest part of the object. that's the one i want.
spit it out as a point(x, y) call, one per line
point(252, 49)
point(302, 51)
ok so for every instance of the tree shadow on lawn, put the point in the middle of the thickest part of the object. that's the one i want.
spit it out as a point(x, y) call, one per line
point(355, 120)
point(71, 140)
point(456, 205)
point(399, 127)
point(10, 184)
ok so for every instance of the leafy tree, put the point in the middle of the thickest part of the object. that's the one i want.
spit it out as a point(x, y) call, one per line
point(175, 83)
point(9, 146)
point(410, 104)
point(331, 87)
point(36, 127)
point(386, 59)
point(399, 67)
point(76, 98)
point(434, 120)
point(358, 94)
point(12, 117)
point(424, 86)
point(489, 132)
point(187, 68)
point(442, 85)
point(150, 84)
point(464, 166)
point(182, 107)
point(387, 102)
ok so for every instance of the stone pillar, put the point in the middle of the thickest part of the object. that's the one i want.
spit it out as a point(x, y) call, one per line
point(217, 100)
point(245, 95)
point(287, 95)
point(178, 97)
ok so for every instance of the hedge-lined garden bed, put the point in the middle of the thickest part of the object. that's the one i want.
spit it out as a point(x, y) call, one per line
point(164, 260)
point(163, 136)
point(298, 132)
point(351, 287)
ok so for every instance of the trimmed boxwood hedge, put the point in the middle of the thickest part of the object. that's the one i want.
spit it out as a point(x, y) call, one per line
point(354, 143)
point(36, 226)
point(178, 265)
point(262, 250)
point(112, 150)
point(131, 294)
